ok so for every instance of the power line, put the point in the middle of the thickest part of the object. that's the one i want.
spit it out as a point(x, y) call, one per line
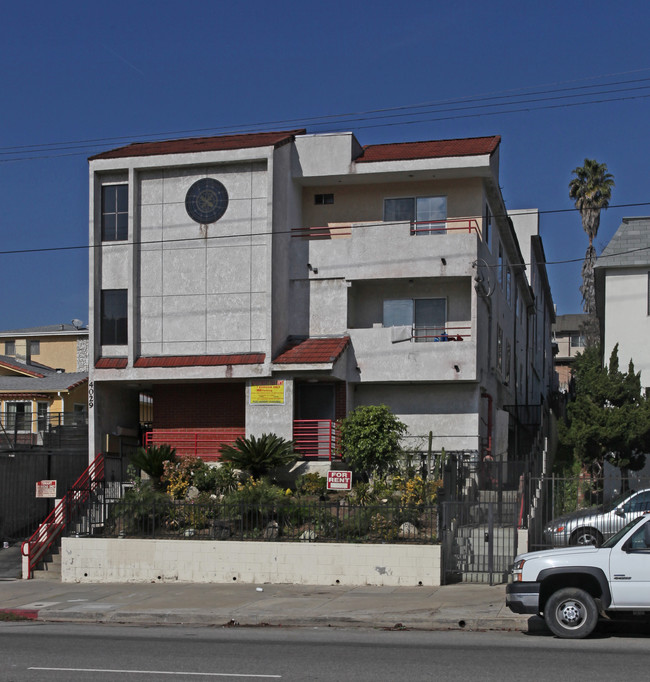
point(405, 111)
point(266, 233)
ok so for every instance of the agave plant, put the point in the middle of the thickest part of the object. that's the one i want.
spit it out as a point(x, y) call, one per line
point(259, 456)
point(151, 460)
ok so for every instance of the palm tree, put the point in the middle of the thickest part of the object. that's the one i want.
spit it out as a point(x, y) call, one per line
point(591, 188)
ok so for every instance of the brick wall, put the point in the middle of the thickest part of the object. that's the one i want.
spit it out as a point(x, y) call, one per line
point(196, 406)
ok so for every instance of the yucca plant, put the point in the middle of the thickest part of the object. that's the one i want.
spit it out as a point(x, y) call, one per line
point(259, 456)
point(151, 460)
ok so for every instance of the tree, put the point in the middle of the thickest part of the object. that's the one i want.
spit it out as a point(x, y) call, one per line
point(591, 188)
point(259, 456)
point(370, 439)
point(609, 420)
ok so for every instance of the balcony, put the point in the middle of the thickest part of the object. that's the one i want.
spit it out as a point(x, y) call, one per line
point(365, 251)
point(54, 430)
point(388, 354)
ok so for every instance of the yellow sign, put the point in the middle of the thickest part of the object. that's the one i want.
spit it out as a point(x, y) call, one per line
point(267, 394)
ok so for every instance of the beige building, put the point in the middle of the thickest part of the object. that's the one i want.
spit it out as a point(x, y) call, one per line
point(570, 342)
point(272, 282)
point(43, 383)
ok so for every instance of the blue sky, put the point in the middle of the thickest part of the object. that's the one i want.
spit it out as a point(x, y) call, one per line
point(82, 77)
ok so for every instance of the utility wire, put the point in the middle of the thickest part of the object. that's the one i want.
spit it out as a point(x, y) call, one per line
point(472, 103)
point(300, 233)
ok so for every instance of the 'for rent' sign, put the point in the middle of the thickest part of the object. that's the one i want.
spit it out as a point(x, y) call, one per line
point(339, 480)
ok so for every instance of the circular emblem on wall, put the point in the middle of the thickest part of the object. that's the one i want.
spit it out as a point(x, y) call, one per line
point(206, 201)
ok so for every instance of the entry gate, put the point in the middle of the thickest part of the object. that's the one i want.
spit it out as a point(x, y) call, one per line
point(479, 539)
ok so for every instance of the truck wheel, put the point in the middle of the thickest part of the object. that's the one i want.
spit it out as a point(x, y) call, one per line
point(571, 613)
point(586, 536)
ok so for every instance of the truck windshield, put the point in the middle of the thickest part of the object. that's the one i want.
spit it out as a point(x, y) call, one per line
point(615, 538)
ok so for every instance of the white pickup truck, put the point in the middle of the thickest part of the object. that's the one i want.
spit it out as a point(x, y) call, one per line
point(571, 587)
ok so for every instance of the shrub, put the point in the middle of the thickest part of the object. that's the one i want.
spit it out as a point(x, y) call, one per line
point(311, 484)
point(259, 456)
point(370, 439)
point(152, 460)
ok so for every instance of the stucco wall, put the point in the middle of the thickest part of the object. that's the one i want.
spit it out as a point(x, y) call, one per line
point(96, 560)
point(626, 319)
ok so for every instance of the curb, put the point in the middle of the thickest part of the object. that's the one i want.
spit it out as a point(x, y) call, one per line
point(266, 620)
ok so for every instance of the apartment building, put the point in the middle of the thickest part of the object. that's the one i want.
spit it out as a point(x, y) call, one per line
point(272, 282)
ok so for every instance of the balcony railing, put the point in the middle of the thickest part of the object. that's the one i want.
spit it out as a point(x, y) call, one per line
point(316, 438)
point(33, 429)
point(432, 227)
point(203, 443)
point(440, 334)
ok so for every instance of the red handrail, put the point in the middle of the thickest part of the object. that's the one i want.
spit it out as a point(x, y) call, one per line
point(203, 443)
point(315, 438)
point(55, 522)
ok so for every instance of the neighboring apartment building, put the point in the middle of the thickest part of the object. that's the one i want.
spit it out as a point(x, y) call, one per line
point(570, 342)
point(622, 274)
point(272, 282)
point(43, 382)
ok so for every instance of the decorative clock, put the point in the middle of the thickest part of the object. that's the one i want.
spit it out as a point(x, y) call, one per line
point(206, 201)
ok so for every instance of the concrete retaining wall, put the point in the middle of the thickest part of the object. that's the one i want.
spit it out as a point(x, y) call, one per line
point(99, 560)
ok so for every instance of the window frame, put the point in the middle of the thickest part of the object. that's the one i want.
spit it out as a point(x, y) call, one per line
point(413, 322)
point(325, 199)
point(439, 224)
point(13, 421)
point(114, 331)
point(10, 348)
point(117, 232)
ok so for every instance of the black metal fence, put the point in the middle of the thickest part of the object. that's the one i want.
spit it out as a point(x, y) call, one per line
point(158, 516)
point(20, 430)
point(479, 539)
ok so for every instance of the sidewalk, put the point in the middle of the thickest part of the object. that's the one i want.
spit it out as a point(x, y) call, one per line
point(471, 607)
point(463, 606)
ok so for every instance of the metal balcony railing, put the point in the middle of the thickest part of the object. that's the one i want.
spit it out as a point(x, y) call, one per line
point(440, 334)
point(433, 227)
point(316, 438)
point(203, 443)
point(32, 429)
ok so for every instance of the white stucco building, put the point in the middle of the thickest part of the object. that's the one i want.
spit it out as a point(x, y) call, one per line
point(622, 274)
point(272, 282)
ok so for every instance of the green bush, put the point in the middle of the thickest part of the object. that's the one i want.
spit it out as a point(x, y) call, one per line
point(370, 440)
point(311, 484)
point(259, 456)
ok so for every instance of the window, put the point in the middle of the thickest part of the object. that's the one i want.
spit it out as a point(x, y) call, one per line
point(506, 376)
point(10, 348)
point(114, 317)
point(427, 215)
point(500, 266)
point(320, 199)
point(41, 412)
point(508, 286)
point(34, 347)
point(577, 340)
point(427, 316)
point(115, 213)
point(499, 349)
point(18, 417)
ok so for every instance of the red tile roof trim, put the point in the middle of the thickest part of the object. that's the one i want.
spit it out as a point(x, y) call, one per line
point(313, 350)
point(202, 144)
point(111, 363)
point(22, 369)
point(200, 360)
point(402, 151)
